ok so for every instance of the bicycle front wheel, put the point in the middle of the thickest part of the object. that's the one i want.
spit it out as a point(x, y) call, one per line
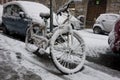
point(67, 51)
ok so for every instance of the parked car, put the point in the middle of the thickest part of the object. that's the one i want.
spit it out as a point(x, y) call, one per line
point(114, 37)
point(17, 15)
point(104, 23)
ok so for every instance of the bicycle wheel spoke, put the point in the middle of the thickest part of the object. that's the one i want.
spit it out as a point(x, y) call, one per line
point(67, 51)
point(63, 43)
point(59, 49)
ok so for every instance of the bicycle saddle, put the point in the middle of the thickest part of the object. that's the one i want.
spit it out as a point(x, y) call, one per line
point(45, 15)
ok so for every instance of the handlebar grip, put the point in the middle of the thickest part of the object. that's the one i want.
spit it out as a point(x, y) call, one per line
point(64, 8)
point(59, 13)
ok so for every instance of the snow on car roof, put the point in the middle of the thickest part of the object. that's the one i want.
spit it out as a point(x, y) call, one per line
point(32, 8)
point(110, 14)
point(102, 16)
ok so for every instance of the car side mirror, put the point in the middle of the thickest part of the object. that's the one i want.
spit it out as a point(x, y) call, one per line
point(22, 14)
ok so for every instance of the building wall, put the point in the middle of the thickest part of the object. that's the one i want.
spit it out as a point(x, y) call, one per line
point(80, 6)
point(4, 1)
point(113, 6)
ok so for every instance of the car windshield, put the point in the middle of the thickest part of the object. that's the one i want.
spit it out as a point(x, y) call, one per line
point(112, 17)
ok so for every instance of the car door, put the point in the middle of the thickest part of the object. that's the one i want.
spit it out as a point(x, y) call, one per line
point(109, 22)
point(21, 23)
point(7, 18)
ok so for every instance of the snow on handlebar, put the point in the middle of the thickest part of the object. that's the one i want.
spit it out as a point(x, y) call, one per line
point(64, 8)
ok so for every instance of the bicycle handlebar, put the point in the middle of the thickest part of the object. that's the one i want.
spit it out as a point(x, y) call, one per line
point(64, 8)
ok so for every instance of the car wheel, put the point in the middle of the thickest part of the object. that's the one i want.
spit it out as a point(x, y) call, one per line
point(97, 30)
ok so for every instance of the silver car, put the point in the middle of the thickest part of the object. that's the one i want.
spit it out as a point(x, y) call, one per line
point(104, 23)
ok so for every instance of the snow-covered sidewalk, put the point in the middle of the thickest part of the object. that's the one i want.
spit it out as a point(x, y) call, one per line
point(44, 67)
point(95, 43)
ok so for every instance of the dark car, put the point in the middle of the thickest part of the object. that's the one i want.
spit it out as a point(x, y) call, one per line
point(114, 38)
point(18, 14)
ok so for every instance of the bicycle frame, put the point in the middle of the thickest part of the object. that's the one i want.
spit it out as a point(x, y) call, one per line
point(62, 41)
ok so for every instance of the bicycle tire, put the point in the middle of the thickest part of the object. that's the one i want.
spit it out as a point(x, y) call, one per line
point(71, 62)
point(29, 42)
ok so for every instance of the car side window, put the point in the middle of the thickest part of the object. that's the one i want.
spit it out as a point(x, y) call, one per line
point(112, 17)
point(7, 10)
point(12, 10)
point(16, 10)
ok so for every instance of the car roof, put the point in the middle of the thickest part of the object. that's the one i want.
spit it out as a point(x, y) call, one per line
point(29, 6)
point(20, 2)
point(110, 14)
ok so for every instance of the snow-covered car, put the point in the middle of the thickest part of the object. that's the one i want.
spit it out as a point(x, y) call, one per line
point(17, 14)
point(104, 23)
point(114, 37)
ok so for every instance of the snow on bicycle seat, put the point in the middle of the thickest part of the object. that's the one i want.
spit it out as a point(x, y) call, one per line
point(45, 15)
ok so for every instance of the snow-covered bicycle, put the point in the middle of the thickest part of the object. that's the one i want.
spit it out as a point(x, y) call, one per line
point(66, 46)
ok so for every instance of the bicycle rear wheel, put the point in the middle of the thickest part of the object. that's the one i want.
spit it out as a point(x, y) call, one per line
point(29, 41)
point(67, 51)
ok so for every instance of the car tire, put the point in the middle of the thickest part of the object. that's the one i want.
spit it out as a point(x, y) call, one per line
point(97, 30)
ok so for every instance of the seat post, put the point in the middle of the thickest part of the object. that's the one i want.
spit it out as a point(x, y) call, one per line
point(45, 29)
point(51, 16)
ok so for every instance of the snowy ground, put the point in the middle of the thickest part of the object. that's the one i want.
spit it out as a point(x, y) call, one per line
point(95, 43)
point(22, 61)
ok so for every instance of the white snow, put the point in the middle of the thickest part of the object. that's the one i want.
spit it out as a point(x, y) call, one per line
point(95, 43)
point(45, 69)
point(110, 16)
